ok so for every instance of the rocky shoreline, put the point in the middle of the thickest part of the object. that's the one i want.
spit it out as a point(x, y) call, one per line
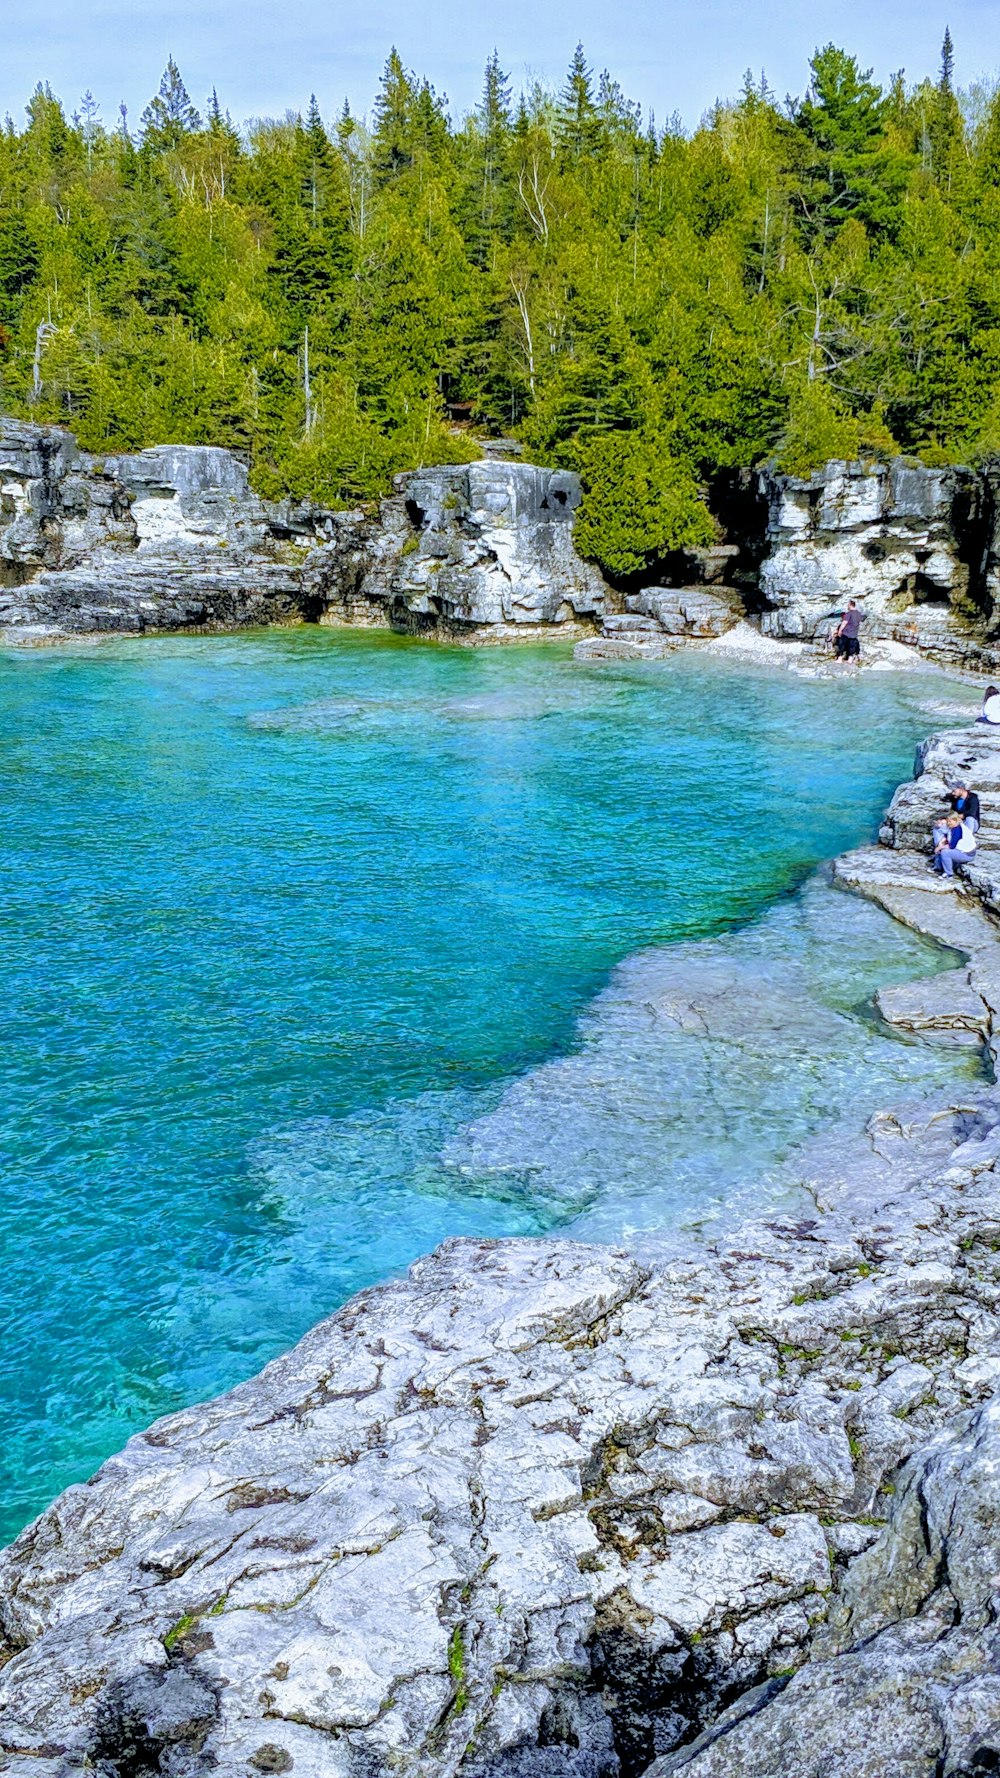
point(173, 538)
point(555, 1511)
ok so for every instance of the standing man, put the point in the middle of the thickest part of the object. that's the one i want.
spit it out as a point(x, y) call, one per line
point(845, 636)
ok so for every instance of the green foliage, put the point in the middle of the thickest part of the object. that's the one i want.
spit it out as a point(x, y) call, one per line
point(794, 281)
point(170, 115)
point(456, 1667)
point(639, 503)
point(820, 428)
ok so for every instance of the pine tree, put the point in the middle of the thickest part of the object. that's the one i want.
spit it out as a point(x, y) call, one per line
point(170, 115)
point(853, 171)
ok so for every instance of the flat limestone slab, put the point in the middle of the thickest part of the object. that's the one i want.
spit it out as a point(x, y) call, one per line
point(947, 1005)
point(904, 885)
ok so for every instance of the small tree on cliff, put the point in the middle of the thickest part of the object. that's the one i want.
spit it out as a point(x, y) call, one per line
point(640, 503)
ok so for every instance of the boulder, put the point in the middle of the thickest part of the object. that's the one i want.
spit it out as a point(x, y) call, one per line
point(689, 612)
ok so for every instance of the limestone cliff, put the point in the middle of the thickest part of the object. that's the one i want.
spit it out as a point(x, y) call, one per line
point(917, 548)
point(173, 537)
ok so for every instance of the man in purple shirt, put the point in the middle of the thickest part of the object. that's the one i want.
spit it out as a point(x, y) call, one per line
point(845, 636)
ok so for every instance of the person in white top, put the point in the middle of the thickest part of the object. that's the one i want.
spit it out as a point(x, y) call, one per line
point(991, 705)
point(957, 845)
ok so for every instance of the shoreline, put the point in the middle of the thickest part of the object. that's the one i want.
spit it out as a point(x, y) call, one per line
point(538, 1477)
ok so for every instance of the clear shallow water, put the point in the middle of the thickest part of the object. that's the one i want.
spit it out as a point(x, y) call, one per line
point(310, 960)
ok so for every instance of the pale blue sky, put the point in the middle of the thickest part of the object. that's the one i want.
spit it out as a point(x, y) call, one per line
point(267, 55)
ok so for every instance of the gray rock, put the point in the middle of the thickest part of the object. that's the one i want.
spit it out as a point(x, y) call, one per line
point(658, 619)
point(173, 538)
point(689, 611)
point(896, 537)
point(483, 544)
point(906, 1673)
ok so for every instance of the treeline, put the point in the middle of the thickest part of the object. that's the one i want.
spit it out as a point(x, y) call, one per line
point(798, 280)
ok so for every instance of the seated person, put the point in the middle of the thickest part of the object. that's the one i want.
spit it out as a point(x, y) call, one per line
point(965, 802)
point(956, 844)
point(991, 705)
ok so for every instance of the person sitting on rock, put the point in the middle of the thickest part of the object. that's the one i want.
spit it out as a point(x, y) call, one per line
point(845, 636)
point(991, 705)
point(965, 802)
point(956, 845)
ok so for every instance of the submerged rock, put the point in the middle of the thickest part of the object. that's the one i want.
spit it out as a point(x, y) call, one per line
point(548, 1509)
point(537, 1508)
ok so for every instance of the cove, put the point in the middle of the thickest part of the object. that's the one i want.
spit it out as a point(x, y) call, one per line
point(322, 947)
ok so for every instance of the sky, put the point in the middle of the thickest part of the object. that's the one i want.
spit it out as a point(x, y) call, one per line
point(266, 56)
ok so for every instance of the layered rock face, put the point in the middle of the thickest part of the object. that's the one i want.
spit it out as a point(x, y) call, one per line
point(173, 537)
point(165, 539)
point(914, 546)
point(482, 544)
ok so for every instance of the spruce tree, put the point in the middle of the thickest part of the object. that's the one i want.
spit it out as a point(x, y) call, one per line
point(170, 115)
point(946, 129)
point(494, 108)
point(946, 77)
point(392, 146)
point(319, 141)
point(579, 127)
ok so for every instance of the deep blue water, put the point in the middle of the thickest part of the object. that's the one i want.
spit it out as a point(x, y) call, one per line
point(287, 916)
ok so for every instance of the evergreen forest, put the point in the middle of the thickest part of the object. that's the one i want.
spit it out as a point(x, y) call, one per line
point(340, 298)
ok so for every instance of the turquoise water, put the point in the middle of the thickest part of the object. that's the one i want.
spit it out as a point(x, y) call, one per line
point(310, 960)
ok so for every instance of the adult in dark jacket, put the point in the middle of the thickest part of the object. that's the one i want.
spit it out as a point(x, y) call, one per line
point(965, 802)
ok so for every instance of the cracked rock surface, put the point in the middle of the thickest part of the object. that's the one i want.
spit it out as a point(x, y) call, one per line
point(536, 1508)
